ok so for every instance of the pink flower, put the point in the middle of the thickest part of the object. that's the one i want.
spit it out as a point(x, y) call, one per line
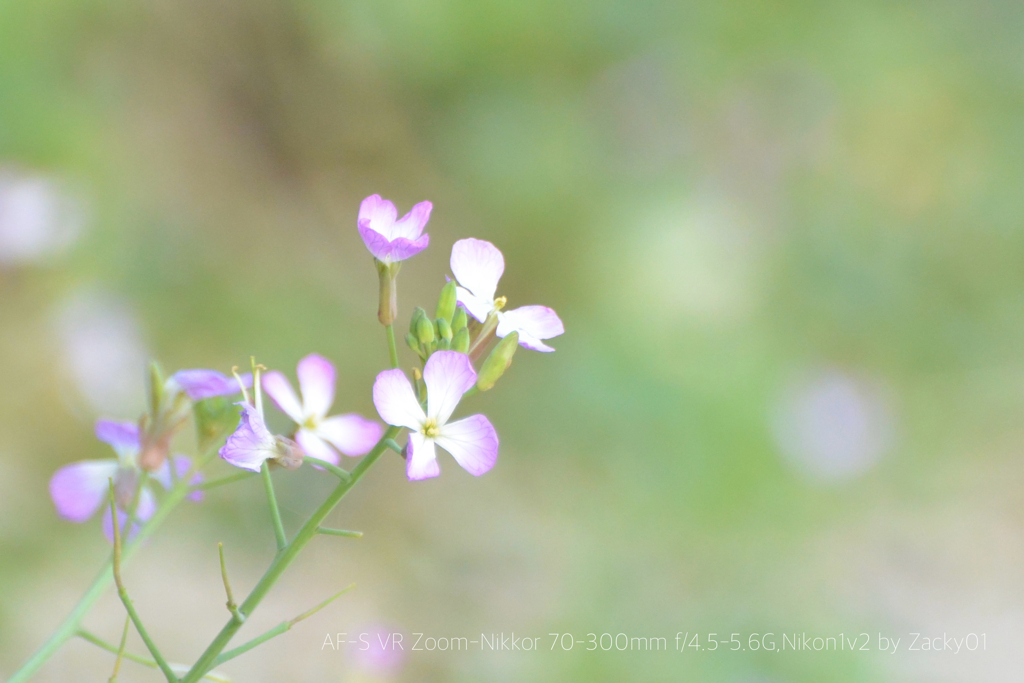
point(389, 238)
point(81, 488)
point(448, 375)
point(318, 434)
point(478, 265)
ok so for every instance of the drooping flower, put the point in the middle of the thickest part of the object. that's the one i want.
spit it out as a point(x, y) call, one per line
point(252, 443)
point(389, 238)
point(81, 488)
point(477, 266)
point(319, 435)
point(448, 375)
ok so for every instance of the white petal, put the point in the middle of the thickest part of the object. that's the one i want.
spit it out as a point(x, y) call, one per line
point(422, 458)
point(379, 213)
point(351, 434)
point(80, 488)
point(533, 323)
point(280, 391)
point(316, 379)
point(315, 447)
point(396, 401)
point(472, 442)
point(477, 265)
point(478, 308)
point(448, 375)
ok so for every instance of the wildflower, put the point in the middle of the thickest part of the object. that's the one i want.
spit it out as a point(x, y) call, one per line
point(478, 265)
point(252, 443)
point(199, 385)
point(388, 239)
point(319, 435)
point(448, 375)
point(81, 488)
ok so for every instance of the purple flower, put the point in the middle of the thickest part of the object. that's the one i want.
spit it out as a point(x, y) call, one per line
point(203, 384)
point(389, 238)
point(81, 488)
point(478, 265)
point(448, 375)
point(319, 435)
point(252, 443)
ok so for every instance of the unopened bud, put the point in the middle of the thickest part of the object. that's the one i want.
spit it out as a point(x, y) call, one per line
point(443, 344)
point(460, 342)
point(289, 454)
point(446, 304)
point(413, 343)
point(155, 380)
point(460, 320)
point(497, 363)
point(417, 313)
point(425, 331)
point(444, 330)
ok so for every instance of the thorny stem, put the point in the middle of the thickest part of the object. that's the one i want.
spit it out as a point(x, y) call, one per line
point(281, 562)
point(122, 593)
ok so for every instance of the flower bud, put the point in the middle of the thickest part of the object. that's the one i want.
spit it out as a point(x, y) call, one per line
point(413, 343)
point(425, 331)
point(444, 330)
point(155, 381)
point(460, 342)
point(417, 313)
point(459, 321)
point(446, 304)
point(497, 363)
point(289, 454)
point(387, 309)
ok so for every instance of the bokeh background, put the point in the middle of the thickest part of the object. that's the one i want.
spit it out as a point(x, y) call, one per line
point(785, 239)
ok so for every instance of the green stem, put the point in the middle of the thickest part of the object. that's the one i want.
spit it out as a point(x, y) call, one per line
point(333, 469)
point(339, 532)
point(120, 651)
point(275, 513)
point(122, 593)
point(104, 645)
point(70, 626)
point(392, 349)
point(223, 481)
point(283, 559)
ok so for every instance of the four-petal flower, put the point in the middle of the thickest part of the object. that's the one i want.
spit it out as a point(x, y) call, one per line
point(448, 375)
point(389, 238)
point(319, 435)
point(477, 266)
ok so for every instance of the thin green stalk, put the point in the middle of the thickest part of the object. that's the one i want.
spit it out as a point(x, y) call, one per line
point(223, 481)
point(122, 593)
point(120, 651)
point(339, 532)
point(232, 607)
point(70, 626)
point(333, 469)
point(392, 349)
point(275, 513)
point(104, 645)
point(279, 629)
point(283, 559)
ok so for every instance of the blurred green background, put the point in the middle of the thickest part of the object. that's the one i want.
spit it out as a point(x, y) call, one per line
point(785, 240)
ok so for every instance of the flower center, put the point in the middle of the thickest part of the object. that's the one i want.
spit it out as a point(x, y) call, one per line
point(430, 429)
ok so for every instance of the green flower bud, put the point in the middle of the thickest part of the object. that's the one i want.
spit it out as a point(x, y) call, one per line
point(460, 342)
point(425, 331)
point(413, 343)
point(156, 388)
point(415, 321)
point(446, 304)
point(444, 330)
point(459, 321)
point(497, 363)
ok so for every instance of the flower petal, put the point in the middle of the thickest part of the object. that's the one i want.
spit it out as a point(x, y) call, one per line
point(422, 461)
point(448, 375)
point(379, 214)
point(316, 379)
point(533, 323)
point(123, 436)
point(478, 308)
point(280, 391)
point(203, 384)
point(378, 244)
point(315, 447)
point(473, 443)
point(477, 265)
point(411, 225)
point(80, 488)
point(147, 506)
point(395, 400)
point(182, 464)
point(252, 442)
point(351, 434)
point(402, 248)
